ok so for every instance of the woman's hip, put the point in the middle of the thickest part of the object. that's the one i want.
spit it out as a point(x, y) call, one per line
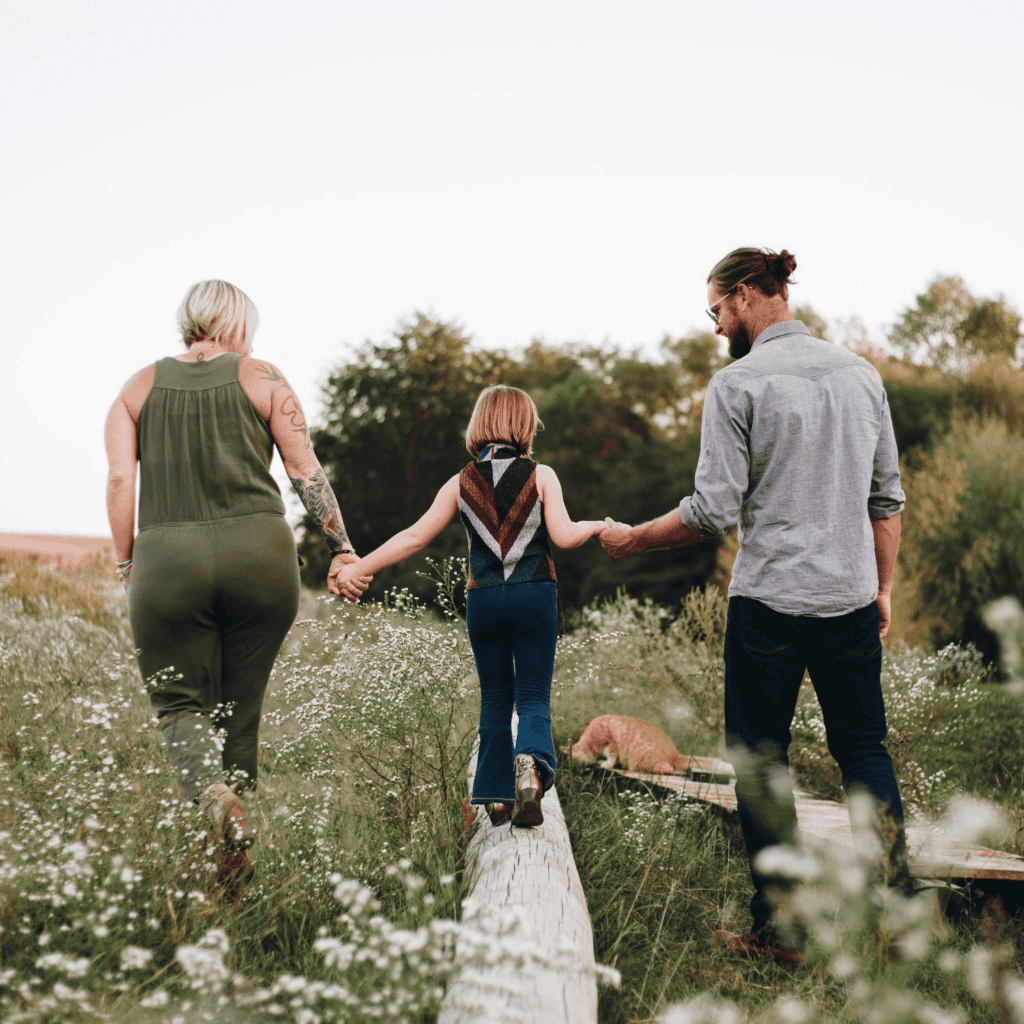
point(248, 561)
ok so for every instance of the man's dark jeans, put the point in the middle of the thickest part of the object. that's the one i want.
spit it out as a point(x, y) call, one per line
point(766, 653)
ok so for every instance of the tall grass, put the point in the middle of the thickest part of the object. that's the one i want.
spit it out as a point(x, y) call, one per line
point(110, 907)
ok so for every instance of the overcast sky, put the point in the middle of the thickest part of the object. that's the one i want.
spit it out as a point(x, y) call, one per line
point(549, 169)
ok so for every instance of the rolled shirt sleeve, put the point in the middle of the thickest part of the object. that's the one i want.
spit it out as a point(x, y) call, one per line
point(723, 470)
point(886, 497)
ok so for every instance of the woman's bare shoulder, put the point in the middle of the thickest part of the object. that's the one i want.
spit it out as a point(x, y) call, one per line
point(260, 372)
point(136, 390)
point(259, 379)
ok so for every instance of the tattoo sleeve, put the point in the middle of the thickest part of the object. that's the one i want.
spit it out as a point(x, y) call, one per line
point(318, 497)
point(290, 407)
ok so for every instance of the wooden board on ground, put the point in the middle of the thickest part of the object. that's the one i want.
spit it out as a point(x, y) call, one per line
point(529, 875)
point(825, 822)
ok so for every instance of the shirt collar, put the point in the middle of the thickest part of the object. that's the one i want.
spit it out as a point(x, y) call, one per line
point(499, 450)
point(779, 330)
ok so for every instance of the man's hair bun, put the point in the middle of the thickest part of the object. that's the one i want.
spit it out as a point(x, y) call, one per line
point(782, 265)
point(760, 268)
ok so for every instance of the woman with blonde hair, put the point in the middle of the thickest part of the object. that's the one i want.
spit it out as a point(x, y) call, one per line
point(212, 574)
point(511, 506)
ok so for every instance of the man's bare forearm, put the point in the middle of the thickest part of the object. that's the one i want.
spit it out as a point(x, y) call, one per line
point(667, 531)
point(887, 543)
point(318, 496)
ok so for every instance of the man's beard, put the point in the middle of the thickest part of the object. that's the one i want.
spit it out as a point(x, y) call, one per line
point(739, 342)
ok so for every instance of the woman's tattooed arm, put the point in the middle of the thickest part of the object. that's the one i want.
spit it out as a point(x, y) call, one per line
point(322, 505)
point(291, 435)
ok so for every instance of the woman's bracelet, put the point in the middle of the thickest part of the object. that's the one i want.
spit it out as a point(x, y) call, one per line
point(122, 569)
point(123, 565)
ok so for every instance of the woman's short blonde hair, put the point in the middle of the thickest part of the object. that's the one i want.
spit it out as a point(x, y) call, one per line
point(502, 414)
point(216, 309)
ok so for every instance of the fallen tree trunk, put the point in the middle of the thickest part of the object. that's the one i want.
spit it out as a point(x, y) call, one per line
point(535, 958)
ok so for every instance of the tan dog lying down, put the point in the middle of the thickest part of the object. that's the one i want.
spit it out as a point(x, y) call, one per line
point(630, 742)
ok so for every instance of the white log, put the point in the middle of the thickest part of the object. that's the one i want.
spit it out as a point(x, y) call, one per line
point(525, 875)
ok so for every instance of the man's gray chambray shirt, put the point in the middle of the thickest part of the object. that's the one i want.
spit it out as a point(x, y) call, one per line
point(797, 447)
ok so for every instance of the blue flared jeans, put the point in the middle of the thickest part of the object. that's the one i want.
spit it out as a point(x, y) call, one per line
point(766, 653)
point(513, 629)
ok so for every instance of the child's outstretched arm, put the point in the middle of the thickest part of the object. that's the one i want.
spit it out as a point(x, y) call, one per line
point(404, 543)
point(561, 529)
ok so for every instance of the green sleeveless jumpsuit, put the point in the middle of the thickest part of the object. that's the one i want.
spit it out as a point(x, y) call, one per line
point(214, 586)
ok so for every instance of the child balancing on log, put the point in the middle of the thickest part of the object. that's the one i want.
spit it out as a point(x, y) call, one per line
point(511, 506)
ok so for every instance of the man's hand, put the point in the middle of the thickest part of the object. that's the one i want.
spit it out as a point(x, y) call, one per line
point(884, 602)
point(617, 539)
point(344, 579)
point(667, 531)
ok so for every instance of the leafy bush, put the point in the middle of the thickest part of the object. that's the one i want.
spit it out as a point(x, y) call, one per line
point(962, 529)
point(922, 402)
point(995, 388)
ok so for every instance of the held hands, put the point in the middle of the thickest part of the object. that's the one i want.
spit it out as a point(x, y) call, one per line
point(595, 526)
point(345, 579)
point(615, 538)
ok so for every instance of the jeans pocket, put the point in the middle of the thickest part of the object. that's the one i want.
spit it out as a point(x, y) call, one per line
point(763, 631)
point(865, 654)
point(756, 649)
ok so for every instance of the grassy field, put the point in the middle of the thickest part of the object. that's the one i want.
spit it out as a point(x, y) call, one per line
point(110, 909)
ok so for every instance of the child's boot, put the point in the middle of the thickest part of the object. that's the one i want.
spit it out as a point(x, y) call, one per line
point(529, 792)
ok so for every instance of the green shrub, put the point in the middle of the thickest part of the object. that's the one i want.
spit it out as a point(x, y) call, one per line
point(963, 526)
point(995, 388)
point(922, 403)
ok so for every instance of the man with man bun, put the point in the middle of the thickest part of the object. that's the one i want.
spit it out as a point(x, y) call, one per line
point(797, 447)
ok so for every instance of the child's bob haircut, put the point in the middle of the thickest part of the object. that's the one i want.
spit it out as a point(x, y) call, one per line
point(502, 414)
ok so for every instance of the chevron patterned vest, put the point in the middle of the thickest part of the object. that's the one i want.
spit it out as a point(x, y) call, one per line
point(504, 519)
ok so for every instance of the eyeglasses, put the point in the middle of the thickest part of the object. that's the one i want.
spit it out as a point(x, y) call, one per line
point(714, 316)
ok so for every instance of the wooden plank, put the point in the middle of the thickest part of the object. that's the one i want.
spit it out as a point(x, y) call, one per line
point(826, 822)
point(527, 874)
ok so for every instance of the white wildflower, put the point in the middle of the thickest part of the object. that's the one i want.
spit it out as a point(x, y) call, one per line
point(791, 1011)
point(336, 953)
point(787, 862)
point(703, 1009)
point(969, 820)
point(979, 972)
point(134, 958)
point(843, 967)
point(948, 960)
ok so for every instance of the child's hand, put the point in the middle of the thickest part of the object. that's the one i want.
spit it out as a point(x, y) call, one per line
point(593, 525)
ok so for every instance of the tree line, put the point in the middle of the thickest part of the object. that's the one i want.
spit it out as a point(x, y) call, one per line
point(622, 430)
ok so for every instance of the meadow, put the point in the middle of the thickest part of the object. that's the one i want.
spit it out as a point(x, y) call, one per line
point(110, 909)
